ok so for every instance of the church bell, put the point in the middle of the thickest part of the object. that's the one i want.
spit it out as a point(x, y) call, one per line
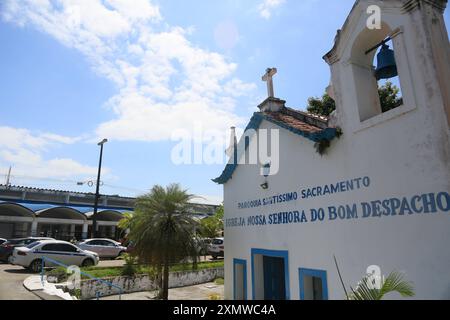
point(387, 68)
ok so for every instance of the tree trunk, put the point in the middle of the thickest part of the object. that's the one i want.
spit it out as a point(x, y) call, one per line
point(165, 295)
point(160, 281)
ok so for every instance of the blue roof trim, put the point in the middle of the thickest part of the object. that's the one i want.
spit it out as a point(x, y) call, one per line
point(36, 206)
point(325, 134)
point(254, 124)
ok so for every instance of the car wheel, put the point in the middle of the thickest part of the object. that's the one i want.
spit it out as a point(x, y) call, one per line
point(87, 263)
point(36, 266)
point(214, 257)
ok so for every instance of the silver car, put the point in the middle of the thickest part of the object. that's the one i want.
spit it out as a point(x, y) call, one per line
point(32, 256)
point(105, 248)
point(217, 248)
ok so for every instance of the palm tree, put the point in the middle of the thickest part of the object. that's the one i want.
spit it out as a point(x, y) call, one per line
point(125, 223)
point(163, 230)
point(393, 283)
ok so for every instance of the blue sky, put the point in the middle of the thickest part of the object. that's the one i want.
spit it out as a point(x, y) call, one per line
point(74, 72)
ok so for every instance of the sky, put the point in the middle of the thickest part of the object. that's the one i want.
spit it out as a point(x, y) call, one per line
point(73, 72)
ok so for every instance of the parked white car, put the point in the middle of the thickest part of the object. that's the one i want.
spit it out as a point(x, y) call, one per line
point(61, 251)
point(216, 248)
point(105, 248)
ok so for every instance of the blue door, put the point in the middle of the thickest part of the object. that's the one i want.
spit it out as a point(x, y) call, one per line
point(274, 278)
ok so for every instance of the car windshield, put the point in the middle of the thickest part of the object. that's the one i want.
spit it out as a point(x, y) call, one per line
point(217, 241)
point(32, 245)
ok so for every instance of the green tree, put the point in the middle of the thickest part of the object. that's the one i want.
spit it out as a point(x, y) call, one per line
point(389, 96)
point(219, 212)
point(212, 226)
point(321, 106)
point(388, 93)
point(393, 283)
point(125, 223)
point(163, 230)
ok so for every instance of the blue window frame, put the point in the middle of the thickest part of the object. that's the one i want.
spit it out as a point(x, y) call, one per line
point(320, 274)
point(274, 254)
point(244, 265)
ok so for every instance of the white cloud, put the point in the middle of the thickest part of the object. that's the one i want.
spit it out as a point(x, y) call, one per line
point(267, 7)
point(25, 151)
point(165, 82)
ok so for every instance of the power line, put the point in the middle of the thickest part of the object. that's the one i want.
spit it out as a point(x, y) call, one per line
point(71, 182)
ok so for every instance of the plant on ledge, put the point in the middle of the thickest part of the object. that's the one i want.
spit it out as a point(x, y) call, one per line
point(322, 145)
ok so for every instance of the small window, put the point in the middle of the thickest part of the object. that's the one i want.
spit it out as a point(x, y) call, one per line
point(50, 247)
point(109, 243)
point(66, 248)
point(313, 284)
point(32, 245)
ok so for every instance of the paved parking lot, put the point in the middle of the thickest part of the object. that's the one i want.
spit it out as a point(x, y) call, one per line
point(11, 283)
point(12, 277)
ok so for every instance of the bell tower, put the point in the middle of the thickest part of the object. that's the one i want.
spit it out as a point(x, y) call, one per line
point(418, 54)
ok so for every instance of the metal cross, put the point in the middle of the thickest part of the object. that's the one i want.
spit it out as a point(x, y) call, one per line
point(270, 72)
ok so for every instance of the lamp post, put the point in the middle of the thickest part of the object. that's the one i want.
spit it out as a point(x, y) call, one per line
point(97, 195)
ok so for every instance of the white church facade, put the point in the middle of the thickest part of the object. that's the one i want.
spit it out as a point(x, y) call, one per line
point(379, 195)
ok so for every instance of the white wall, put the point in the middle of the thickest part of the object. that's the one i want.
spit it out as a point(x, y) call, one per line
point(405, 152)
point(399, 163)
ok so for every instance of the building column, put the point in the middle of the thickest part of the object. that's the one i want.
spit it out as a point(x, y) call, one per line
point(72, 230)
point(34, 226)
point(113, 232)
point(84, 232)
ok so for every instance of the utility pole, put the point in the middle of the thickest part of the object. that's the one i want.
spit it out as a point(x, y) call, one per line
point(8, 177)
point(97, 190)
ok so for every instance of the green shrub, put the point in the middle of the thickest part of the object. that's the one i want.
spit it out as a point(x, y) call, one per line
point(130, 268)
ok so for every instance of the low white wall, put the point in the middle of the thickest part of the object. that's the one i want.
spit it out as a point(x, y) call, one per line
point(89, 288)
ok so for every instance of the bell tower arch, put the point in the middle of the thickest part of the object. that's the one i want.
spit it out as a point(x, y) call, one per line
point(420, 44)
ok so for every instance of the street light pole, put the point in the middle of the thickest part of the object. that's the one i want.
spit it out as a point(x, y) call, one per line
point(97, 190)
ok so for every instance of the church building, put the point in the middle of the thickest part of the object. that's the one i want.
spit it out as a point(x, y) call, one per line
point(367, 188)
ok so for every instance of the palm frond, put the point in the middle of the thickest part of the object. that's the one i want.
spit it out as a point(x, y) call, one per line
point(393, 283)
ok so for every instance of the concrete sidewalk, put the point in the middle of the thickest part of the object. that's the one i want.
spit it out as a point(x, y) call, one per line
point(46, 291)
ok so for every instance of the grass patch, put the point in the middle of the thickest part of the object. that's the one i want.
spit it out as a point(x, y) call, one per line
point(99, 272)
point(219, 281)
